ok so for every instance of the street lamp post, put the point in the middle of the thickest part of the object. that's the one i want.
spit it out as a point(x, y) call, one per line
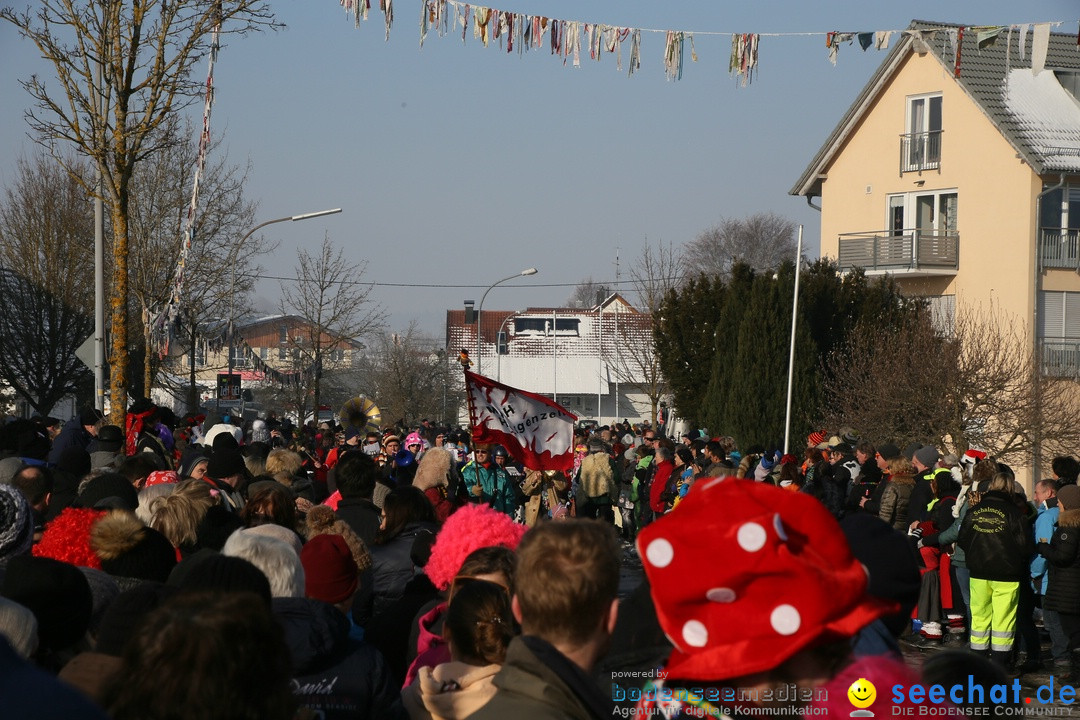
point(498, 356)
point(480, 309)
point(232, 279)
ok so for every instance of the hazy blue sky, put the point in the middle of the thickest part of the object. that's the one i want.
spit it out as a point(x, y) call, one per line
point(459, 164)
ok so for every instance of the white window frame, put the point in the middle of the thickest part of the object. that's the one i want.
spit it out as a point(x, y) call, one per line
point(924, 119)
point(910, 206)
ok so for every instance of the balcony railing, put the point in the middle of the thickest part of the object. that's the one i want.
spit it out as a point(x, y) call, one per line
point(1059, 248)
point(900, 250)
point(1060, 357)
point(920, 151)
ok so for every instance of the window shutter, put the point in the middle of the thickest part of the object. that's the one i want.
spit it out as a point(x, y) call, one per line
point(1072, 315)
point(1051, 314)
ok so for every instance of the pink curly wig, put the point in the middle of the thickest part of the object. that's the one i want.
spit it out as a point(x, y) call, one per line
point(469, 528)
point(67, 538)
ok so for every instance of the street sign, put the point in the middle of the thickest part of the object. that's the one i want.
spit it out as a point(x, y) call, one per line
point(85, 352)
point(228, 389)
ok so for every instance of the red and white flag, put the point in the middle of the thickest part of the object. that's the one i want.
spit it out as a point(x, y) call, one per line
point(536, 431)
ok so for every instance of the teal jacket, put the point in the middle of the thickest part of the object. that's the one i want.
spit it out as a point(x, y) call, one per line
point(496, 487)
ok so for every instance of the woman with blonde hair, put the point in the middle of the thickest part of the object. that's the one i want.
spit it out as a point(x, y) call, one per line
point(177, 515)
point(894, 501)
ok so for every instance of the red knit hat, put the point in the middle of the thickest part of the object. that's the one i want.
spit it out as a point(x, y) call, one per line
point(744, 575)
point(330, 572)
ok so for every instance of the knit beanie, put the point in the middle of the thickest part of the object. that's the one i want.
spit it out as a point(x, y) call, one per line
point(57, 594)
point(213, 572)
point(9, 468)
point(109, 491)
point(927, 455)
point(103, 590)
point(123, 615)
point(278, 532)
point(16, 523)
point(74, 460)
point(19, 626)
point(216, 526)
point(128, 548)
point(1068, 497)
point(330, 573)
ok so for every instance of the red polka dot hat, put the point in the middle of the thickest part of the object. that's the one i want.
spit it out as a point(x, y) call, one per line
point(744, 575)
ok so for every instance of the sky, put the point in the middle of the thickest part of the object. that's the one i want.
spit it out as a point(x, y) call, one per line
point(457, 165)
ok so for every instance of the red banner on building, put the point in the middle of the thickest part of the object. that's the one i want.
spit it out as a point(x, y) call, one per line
point(537, 432)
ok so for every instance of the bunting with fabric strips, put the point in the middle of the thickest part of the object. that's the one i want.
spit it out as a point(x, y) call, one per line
point(565, 38)
point(159, 326)
point(743, 56)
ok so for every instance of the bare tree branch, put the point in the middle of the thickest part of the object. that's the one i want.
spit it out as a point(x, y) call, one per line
point(763, 241)
point(147, 51)
point(333, 306)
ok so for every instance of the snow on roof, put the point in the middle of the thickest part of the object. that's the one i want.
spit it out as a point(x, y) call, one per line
point(1047, 117)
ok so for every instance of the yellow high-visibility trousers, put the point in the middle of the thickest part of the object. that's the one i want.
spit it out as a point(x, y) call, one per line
point(993, 614)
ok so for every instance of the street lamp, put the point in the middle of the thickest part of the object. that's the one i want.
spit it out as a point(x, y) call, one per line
point(498, 355)
point(480, 309)
point(232, 280)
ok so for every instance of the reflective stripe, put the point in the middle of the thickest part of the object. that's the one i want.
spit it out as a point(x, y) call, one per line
point(975, 645)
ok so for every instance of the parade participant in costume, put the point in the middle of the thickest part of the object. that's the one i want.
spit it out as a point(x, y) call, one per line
point(778, 612)
point(488, 483)
point(141, 433)
point(546, 493)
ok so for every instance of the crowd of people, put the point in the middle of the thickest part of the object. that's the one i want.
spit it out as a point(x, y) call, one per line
point(207, 567)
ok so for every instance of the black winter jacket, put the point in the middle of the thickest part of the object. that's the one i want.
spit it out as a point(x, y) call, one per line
point(1063, 556)
point(334, 674)
point(997, 539)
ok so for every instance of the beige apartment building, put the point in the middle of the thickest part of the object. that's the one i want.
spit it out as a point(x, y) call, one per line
point(958, 173)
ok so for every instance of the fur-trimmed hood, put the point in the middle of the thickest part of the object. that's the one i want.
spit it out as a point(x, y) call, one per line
point(434, 469)
point(322, 520)
point(116, 534)
point(1069, 518)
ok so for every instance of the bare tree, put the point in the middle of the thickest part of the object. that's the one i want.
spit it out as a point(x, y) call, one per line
point(220, 272)
point(653, 273)
point(47, 299)
point(632, 356)
point(334, 308)
point(978, 387)
point(587, 293)
point(122, 69)
point(763, 241)
point(630, 353)
point(410, 378)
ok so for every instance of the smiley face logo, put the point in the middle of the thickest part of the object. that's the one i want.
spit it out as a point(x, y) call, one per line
point(862, 694)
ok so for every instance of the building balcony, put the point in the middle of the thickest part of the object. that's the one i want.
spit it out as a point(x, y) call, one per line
point(1059, 248)
point(920, 151)
point(1060, 357)
point(904, 252)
